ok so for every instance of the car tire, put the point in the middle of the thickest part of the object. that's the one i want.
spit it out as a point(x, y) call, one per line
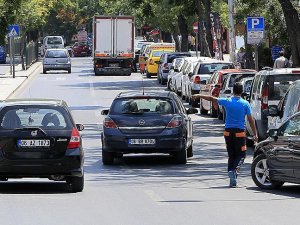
point(148, 75)
point(213, 112)
point(194, 103)
point(76, 183)
point(69, 70)
point(158, 78)
point(163, 82)
point(190, 151)
point(168, 85)
point(249, 142)
point(107, 157)
point(180, 157)
point(260, 174)
point(202, 110)
point(44, 71)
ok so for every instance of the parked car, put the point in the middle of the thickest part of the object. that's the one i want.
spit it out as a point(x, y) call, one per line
point(2, 55)
point(175, 68)
point(165, 63)
point(39, 138)
point(268, 88)
point(50, 42)
point(227, 87)
point(153, 122)
point(187, 67)
point(276, 160)
point(288, 106)
point(56, 59)
point(152, 62)
point(81, 49)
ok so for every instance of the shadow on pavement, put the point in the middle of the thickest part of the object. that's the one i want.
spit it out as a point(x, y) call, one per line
point(287, 190)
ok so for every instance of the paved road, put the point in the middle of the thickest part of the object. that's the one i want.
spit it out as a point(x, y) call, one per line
point(139, 190)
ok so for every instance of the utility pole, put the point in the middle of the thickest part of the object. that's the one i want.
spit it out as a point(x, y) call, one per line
point(231, 31)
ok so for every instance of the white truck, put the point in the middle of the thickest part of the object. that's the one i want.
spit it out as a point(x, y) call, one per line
point(113, 48)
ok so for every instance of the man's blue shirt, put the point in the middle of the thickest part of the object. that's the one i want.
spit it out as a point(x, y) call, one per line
point(236, 110)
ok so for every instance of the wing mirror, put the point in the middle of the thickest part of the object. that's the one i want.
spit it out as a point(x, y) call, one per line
point(272, 110)
point(79, 127)
point(191, 111)
point(105, 112)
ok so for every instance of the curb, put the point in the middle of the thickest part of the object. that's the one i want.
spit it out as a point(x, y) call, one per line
point(26, 79)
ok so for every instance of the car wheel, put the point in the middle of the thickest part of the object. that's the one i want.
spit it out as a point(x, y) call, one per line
point(168, 85)
point(76, 183)
point(213, 112)
point(107, 157)
point(194, 103)
point(158, 78)
point(202, 110)
point(190, 151)
point(163, 82)
point(180, 157)
point(44, 71)
point(69, 70)
point(249, 142)
point(260, 174)
point(148, 75)
point(182, 96)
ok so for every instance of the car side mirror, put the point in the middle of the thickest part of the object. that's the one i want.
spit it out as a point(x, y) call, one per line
point(105, 112)
point(273, 133)
point(79, 127)
point(227, 91)
point(191, 111)
point(203, 82)
point(272, 110)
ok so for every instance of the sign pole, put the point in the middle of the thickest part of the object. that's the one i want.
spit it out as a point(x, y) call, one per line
point(10, 55)
point(13, 56)
point(256, 57)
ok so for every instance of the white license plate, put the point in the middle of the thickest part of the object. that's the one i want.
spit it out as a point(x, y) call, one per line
point(113, 65)
point(33, 143)
point(141, 141)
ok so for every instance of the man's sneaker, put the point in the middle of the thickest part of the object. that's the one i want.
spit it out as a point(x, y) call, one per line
point(232, 177)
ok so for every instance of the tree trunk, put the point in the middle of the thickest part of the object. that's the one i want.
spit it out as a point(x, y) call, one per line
point(183, 29)
point(176, 39)
point(293, 28)
point(205, 51)
point(207, 11)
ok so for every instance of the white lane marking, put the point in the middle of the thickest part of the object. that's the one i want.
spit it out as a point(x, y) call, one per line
point(155, 197)
point(92, 90)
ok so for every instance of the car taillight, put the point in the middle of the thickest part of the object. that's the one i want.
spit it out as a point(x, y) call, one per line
point(264, 97)
point(75, 139)
point(109, 123)
point(151, 62)
point(99, 65)
point(176, 121)
point(166, 66)
point(197, 80)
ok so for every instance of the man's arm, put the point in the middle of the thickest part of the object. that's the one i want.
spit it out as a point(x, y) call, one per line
point(253, 127)
point(206, 97)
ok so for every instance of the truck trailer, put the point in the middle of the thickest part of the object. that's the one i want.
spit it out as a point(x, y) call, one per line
point(113, 48)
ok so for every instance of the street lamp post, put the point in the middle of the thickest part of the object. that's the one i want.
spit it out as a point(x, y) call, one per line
point(231, 31)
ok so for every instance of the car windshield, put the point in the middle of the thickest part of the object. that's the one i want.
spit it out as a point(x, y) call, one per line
point(237, 78)
point(279, 84)
point(291, 127)
point(42, 117)
point(54, 41)
point(141, 106)
point(56, 54)
point(212, 67)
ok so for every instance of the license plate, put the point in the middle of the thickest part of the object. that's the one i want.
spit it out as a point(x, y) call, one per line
point(141, 141)
point(113, 65)
point(33, 143)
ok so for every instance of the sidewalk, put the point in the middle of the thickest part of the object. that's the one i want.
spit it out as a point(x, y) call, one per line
point(8, 84)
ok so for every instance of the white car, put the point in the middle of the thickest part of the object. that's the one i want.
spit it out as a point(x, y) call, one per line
point(56, 59)
point(174, 69)
point(50, 42)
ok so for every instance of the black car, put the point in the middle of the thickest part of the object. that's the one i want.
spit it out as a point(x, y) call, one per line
point(153, 122)
point(38, 138)
point(277, 159)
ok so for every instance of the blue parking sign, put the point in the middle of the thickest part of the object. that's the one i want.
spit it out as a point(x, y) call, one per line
point(13, 30)
point(255, 24)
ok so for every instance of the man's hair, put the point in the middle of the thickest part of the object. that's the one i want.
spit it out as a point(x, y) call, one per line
point(281, 53)
point(237, 88)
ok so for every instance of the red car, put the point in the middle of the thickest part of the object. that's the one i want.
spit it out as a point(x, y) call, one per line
point(81, 49)
point(213, 87)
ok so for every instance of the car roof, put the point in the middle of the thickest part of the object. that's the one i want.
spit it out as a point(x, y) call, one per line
point(133, 94)
point(280, 71)
point(30, 101)
point(236, 71)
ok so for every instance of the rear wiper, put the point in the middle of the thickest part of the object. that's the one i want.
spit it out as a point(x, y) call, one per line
point(30, 129)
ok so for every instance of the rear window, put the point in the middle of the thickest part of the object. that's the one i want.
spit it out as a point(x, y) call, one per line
point(54, 41)
point(247, 86)
point(44, 118)
point(172, 57)
point(211, 68)
point(56, 54)
point(279, 84)
point(237, 78)
point(144, 105)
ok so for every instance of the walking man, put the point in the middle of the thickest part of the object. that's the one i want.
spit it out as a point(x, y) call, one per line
point(236, 110)
point(281, 62)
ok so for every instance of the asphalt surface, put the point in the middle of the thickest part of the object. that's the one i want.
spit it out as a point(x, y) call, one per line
point(139, 189)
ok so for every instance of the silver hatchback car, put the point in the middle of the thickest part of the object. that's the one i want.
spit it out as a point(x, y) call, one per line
point(57, 59)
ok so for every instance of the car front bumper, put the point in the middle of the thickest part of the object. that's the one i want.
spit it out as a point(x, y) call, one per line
point(57, 66)
point(113, 71)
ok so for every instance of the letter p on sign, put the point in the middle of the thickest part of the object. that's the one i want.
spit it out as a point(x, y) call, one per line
point(255, 22)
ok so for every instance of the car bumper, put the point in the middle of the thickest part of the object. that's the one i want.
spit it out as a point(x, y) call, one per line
point(164, 144)
point(152, 68)
point(69, 165)
point(113, 71)
point(57, 67)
